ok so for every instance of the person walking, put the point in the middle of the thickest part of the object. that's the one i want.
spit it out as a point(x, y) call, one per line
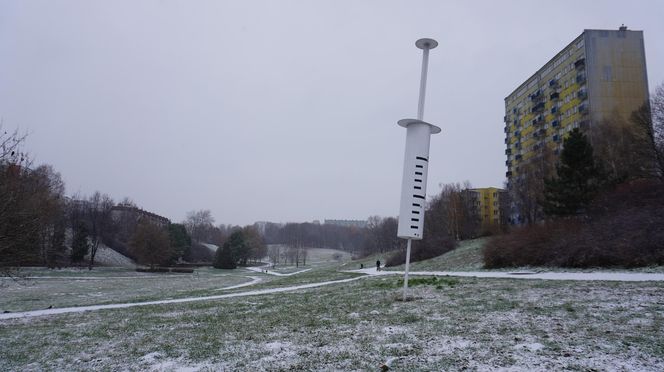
point(378, 265)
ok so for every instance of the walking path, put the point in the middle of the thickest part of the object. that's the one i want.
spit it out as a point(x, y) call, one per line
point(606, 276)
point(265, 270)
point(254, 280)
point(581, 276)
point(80, 309)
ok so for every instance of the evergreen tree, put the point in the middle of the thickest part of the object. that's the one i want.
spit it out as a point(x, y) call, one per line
point(80, 244)
point(239, 246)
point(223, 259)
point(180, 240)
point(578, 178)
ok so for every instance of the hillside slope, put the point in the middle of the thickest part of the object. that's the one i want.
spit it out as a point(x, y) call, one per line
point(466, 257)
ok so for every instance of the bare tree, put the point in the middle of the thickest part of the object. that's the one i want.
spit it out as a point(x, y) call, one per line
point(650, 119)
point(199, 225)
point(98, 215)
point(274, 252)
point(304, 252)
point(10, 146)
point(151, 245)
point(527, 189)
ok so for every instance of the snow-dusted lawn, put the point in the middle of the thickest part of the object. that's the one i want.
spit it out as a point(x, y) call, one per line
point(72, 287)
point(477, 323)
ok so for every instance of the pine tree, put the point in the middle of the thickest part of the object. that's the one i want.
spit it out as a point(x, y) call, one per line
point(578, 178)
point(223, 259)
point(180, 240)
point(80, 244)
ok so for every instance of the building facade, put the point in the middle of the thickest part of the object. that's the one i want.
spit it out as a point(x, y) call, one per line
point(599, 75)
point(488, 204)
point(119, 212)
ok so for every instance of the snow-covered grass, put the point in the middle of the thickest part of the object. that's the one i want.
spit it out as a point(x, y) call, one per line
point(73, 287)
point(466, 257)
point(478, 324)
point(106, 256)
point(368, 261)
point(316, 258)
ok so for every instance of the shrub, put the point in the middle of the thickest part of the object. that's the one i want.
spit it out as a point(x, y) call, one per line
point(623, 228)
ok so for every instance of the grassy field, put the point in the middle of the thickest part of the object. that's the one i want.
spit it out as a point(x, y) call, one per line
point(64, 288)
point(466, 257)
point(454, 324)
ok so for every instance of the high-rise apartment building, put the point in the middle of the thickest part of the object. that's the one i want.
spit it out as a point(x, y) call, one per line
point(599, 75)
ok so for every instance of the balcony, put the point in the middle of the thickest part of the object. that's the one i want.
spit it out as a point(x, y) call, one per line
point(582, 94)
point(556, 138)
point(508, 174)
point(580, 64)
point(555, 123)
point(554, 96)
point(538, 107)
point(536, 96)
point(505, 118)
point(580, 78)
point(583, 108)
point(506, 140)
point(554, 109)
point(508, 163)
point(553, 83)
point(518, 157)
point(508, 151)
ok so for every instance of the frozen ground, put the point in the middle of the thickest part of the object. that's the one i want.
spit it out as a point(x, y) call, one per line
point(464, 323)
point(66, 288)
point(327, 319)
point(108, 257)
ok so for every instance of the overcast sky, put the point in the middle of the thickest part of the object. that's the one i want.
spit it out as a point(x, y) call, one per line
point(278, 110)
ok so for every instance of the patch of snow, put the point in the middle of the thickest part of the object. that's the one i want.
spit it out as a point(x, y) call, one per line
point(151, 357)
point(212, 247)
point(534, 346)
point(106, 256)
point(265, 270)
point(277, 346)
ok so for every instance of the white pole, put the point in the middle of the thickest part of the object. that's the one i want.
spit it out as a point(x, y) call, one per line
point(423, 82)
point(405, 279)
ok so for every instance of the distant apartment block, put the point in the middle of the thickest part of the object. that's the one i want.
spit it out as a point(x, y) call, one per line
point(119, 212)
point(488, 204)
point(348, 223)
point(599, 75)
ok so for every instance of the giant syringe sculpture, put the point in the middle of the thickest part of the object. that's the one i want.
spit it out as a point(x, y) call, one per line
point(415, 166)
